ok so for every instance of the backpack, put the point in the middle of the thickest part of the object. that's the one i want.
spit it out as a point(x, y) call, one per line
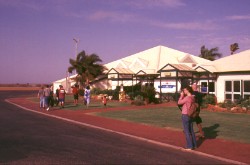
point(193, 110)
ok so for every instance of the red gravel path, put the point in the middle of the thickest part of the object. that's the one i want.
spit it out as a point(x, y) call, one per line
point(218, 147)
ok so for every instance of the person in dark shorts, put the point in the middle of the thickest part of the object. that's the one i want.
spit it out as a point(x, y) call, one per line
point(61, 96)
point(75, 94)
point(104, 100)
point(57, 96)
point(198, 99)
point(47, 96)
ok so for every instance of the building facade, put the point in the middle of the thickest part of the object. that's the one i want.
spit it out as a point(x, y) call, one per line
point(168, 70)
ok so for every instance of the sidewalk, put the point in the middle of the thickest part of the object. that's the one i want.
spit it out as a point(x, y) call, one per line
point(238, 152)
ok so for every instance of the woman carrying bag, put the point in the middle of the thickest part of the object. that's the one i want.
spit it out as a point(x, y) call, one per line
point(186, 99)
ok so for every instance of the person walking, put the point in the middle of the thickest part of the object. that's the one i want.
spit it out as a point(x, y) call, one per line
point(40, 95)
point(51, 97)
point(198, 99)
point(75, 94)
point(87, 96)
point(46, 97)
point(186, 99)
point(57, 95)
point(104, 100)
point(61, 96)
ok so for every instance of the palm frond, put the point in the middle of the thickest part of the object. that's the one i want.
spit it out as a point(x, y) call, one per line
point(211, 54)
point(87, 67)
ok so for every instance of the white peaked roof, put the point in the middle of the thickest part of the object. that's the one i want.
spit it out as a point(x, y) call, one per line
point(151, 60)
point(204, 67)
point(62, 80)
point(235, 62)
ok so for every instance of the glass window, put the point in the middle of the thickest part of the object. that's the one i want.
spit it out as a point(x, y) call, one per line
point(236, 86)
point(211, 87)
point(246, 96)
point(236, 96)
point(203, 84)
point(246, 86)
point(204, 87)
point(228, 96)
point(228, 86)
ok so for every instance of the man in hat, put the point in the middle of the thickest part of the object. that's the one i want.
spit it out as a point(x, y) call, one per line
point(198, 99)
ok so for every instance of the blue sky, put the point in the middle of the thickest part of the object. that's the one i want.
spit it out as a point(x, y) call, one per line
point(36, 37)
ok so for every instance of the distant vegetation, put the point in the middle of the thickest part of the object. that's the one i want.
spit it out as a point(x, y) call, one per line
point(20, 85)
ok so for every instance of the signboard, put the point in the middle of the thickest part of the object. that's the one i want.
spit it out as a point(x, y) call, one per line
point(166, 87)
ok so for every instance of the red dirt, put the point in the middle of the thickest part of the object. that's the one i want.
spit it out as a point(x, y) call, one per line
point(223, 148)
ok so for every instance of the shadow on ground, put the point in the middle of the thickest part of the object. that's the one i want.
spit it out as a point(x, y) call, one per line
point(211, 132)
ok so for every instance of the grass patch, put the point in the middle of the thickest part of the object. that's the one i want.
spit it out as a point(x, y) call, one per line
point(19, 88)
point(94, 104)
point(215, 125)
point(229, 126)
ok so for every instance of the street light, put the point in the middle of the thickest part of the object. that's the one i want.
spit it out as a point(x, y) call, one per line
point(76, 48)
point(76, 45)
point(67, 73)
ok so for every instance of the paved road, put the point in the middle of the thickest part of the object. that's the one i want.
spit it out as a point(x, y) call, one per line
point(26, 137)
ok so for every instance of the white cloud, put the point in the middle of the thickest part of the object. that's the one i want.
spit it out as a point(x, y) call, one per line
point(131, 17)
point(238, 17)
point(35, 5)
point(155, 3)
point(19, 4)
point(110, 15)
point(208, 25)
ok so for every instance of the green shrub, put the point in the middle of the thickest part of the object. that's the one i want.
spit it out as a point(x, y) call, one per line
point(139, 93)
point(96, 91)
point(131, 95)
point(227, 104)
point(113, 93)
point(245, 103)
point(209, 99)
point(81, 92)
point(149, 92)
point(138, 100)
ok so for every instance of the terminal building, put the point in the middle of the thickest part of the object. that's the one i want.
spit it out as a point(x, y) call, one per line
point(168, 70)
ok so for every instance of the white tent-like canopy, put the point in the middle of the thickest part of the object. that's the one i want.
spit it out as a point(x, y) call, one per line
point(233, 68)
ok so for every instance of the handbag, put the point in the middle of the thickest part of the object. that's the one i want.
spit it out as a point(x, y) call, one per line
point(193, 110)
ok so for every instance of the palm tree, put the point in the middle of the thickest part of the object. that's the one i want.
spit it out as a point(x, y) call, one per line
point(211, 54)
point(234, 47)
point(86, 66)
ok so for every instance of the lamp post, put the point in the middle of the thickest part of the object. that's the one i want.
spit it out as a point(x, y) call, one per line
point(76, 45)
point(76, 48)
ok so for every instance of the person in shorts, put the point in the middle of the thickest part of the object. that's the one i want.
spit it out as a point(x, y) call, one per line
point(75, 94)
point(198, 99)
point(61, 97)
point(87, 96)
point(104, 100)
point(57, 95)
point(46, 96)
point(40, 95)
